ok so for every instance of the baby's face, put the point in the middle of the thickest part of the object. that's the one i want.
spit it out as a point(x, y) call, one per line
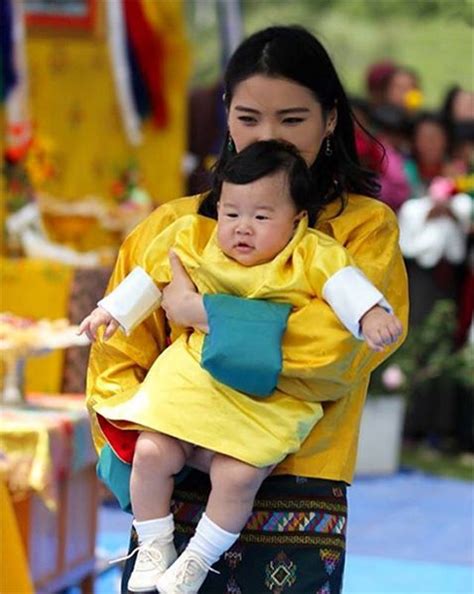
point(255, 221)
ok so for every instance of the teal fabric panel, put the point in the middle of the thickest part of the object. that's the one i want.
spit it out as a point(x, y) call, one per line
point(115, 475)
point(243, 347)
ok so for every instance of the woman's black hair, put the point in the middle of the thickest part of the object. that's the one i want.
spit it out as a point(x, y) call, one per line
point(266, 157)
point(448, 104)
point(462, 130)
point(295, 54)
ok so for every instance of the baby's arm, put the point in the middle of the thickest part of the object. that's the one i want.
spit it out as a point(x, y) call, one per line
point(133, 300)
point(358, 304)
point(380, 328)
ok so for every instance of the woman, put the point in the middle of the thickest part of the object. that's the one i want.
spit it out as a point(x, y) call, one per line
point(430, 151)
point(280, 83)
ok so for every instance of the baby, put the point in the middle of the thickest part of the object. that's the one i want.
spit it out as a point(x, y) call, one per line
point(260, 248)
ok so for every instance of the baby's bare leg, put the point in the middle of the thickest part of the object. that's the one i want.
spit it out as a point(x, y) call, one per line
point(234, 486)
point(157, 459)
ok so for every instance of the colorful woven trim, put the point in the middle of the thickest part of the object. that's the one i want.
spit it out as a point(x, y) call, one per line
point(292, 522)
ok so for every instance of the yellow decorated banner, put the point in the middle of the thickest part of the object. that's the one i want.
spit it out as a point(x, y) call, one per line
point(74, 106)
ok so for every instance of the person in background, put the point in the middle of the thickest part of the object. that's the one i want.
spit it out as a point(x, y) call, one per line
point(458, 113)
point(376, 82)
point(206, 127)
point(402, 89)
point(391, 130)
point(435, 231)
point(458, 105)
point(388, 83)
point(279, 84)
point(369, 149)
point(429, 139)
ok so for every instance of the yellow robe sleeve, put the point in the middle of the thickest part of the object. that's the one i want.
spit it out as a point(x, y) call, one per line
point(187, 236)
point(325, 351)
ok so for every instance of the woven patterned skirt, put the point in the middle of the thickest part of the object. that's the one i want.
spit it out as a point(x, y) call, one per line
point(293, 543)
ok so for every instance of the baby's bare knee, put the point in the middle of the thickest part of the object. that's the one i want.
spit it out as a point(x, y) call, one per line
point(155, 450)
point(236, 476)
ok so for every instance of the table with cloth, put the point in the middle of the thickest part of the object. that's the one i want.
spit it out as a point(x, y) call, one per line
point(42, 289)
point(48, 464)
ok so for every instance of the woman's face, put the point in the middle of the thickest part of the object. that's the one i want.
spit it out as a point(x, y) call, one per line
point(463, 106)
point(430, 143)
point(264, 108)
point(400, 84)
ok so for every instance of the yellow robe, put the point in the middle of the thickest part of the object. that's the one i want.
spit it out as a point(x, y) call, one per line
point(340, 364)
point(181, 399)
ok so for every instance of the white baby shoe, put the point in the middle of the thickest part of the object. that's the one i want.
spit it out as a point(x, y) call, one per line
point(185, 576)
point(153, 559)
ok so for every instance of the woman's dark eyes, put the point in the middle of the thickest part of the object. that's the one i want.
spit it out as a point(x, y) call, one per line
point(293, 120)
point(231, 215)
point(253, 120)
point(261, 218)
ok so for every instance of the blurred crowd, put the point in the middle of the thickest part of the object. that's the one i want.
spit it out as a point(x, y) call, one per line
point(425, 162)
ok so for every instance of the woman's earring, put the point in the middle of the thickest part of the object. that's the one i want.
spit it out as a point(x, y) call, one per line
point(328, 148)
point(230, 144)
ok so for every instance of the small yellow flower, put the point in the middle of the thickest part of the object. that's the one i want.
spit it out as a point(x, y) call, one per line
point(413, 99)
point(465, 183)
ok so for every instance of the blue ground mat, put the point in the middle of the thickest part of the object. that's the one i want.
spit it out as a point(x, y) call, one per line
point(409, 533)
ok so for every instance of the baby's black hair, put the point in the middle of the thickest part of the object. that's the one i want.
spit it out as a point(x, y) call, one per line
point(264, 158)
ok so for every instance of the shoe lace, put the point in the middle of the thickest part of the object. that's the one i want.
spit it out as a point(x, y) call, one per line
point(191, 568)
point(147, 552)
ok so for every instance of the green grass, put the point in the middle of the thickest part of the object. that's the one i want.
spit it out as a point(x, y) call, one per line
point(459, 466)
point(439, 49)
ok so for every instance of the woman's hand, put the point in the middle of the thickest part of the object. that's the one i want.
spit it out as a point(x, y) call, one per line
point(182, 304)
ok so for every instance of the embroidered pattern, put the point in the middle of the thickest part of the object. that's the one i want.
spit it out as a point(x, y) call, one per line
point(326, 589)
point(280, 573)
point(297, 522)
point(322, 503)
point(284, 522)
point(232, 587)
point(330, 558)
point(233, 556)
point(293, 543)
point(282, 539)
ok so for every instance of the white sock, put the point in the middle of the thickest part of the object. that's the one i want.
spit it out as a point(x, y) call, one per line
point(210, 540)
point(161, 529)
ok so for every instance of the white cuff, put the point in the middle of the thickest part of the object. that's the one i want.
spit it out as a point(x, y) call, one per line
point(133, 300)
point(350, 295)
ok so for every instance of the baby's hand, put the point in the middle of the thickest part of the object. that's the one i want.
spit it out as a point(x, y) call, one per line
point(380, 328)
point(99, 317)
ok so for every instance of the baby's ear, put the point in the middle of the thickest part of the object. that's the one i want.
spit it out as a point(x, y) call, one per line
point(299, 217)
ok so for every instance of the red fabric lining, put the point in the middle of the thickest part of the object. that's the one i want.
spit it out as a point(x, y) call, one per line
point(120, 440)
